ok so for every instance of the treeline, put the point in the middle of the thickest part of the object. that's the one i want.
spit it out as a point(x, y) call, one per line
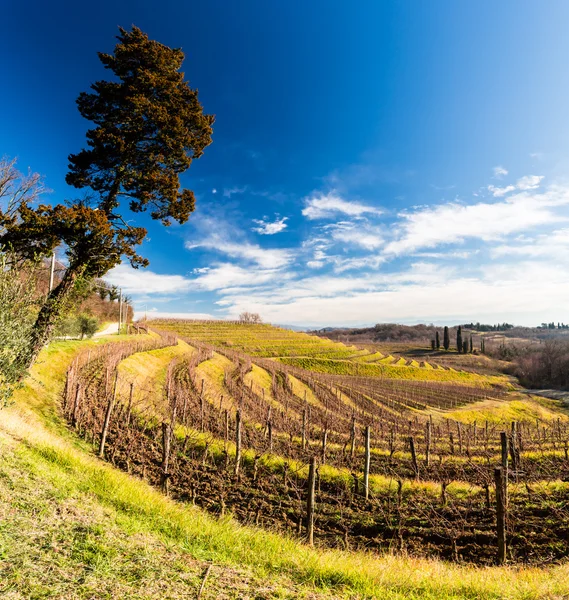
point(419, 334)
point(383, 332)
point(553, 326)
point(484, 327)
point(545, 366)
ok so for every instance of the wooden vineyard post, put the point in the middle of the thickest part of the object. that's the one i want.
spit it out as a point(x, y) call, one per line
point(129, 409)
point(310, 501)
point(367, 462)
point(75, 417)
point(166, 437)
point(304, 426)
point(226, 432)
point(353, 437)
point(269, 411)
point(515, 450)
point(202, 409)
point(324, 443)
point(414, 456)
point(504, 446)
point(237, 442)
point(107, 419)
point(428, 445)
point(501, 487)
point(270, 429)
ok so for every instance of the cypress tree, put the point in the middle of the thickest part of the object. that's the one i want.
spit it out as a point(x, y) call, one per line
point(459, 339)
point(438, 340)
point(465, 347)
point(446, 338)
point(432, 344)
point(471, 345)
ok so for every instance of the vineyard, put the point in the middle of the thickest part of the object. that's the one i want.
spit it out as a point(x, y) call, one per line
point(240, 419)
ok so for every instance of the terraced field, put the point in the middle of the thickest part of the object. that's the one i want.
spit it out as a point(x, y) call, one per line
point(312, 352)
point(404, 453)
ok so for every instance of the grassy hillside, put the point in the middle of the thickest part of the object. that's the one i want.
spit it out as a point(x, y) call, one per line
point(72, 526)
point(315, 353)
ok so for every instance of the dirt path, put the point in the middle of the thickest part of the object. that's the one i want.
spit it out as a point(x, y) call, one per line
point(108, 330)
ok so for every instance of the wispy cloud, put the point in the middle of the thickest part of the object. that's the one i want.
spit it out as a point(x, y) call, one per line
point(355, 234)
point(227, 275)
point(424, 293)
point(268, 258)
point(353, 268)
point(529, 182)
point(553, 245)
point(328, 205)
point(228, 192)
point(499, 172)
point(452, 223)
point(143, 281)
point(315, 264)
point(157, 314)
point(266, 227)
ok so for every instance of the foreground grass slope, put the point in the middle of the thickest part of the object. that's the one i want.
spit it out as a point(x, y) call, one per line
point(74, 527)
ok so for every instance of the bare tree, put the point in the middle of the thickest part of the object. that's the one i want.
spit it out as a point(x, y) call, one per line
point(247, 317)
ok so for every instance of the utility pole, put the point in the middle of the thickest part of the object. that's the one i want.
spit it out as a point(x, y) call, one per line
point(120, 310)
point(51, 271)
point(125, 314)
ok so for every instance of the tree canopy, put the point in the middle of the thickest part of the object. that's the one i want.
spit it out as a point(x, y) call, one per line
point(148, 128)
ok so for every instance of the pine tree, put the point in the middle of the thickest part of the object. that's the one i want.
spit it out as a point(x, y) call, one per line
point(459, 339)
point(149, 126)
point(446, 338)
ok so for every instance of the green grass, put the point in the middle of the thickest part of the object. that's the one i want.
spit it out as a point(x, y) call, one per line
point(524, 409)
point(72, 526)
point(396, 370)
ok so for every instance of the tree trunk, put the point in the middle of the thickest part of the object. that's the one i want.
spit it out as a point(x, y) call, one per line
point(48, 316)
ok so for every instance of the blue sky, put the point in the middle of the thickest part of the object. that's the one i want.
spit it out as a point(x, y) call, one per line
point(372, 161)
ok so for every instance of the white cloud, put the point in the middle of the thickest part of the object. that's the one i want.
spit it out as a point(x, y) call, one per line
point(325, 206)
point(143, 281)
point(268, 258)
point(499, 172)
point(447, 255)
point(497, 192)
point(554, 245)
point(425, 293)
point(267, 227)
point(228, 192)
point(227, 275)
point(529, 182)
point(356, 234)
point(452, 223)
point(352, 264)
point(315, 264)
point(157, 314)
